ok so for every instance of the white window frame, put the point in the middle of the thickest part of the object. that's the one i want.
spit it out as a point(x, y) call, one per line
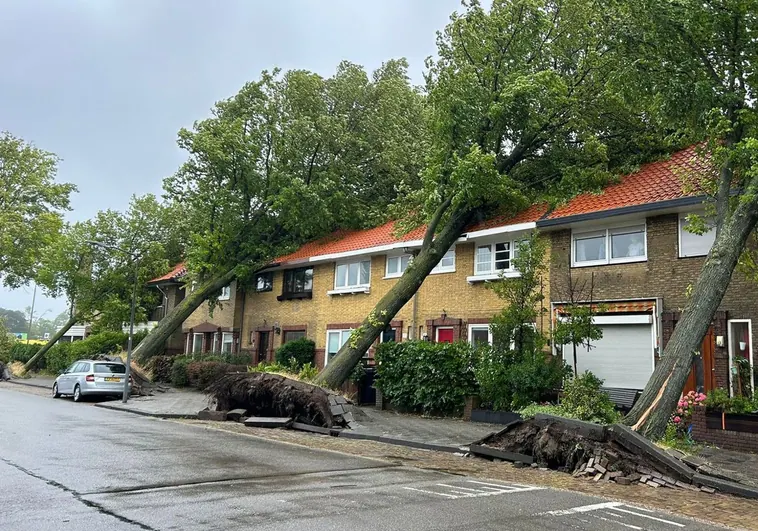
point(606, 233)
point(202, 342)
point(439, 268)
point(226, 293)
point(398, 257)
point(473, 327)
point(732, 381)
point(679, 228)
point(360, 287)
point(340, 331)
point(224, 337)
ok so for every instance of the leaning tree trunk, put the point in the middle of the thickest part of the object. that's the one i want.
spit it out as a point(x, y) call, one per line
point(338, 370)
point(154, 342)
point(651, 413)
point(53, 340)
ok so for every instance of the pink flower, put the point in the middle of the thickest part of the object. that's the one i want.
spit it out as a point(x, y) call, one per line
point(677, 420)
point(680, 411)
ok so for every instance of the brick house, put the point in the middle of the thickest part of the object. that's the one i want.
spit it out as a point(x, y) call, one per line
point(202, 331)
point(630, 244)
point(325, 289)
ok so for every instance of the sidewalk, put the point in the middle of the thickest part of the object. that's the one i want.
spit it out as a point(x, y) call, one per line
point(431, 434)
point(172, 404)
point(44, 382)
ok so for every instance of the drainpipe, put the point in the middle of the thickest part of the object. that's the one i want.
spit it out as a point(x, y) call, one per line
point(242, 321)
point(412, 334)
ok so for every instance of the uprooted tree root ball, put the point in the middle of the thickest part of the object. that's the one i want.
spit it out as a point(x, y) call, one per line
point(274, 395)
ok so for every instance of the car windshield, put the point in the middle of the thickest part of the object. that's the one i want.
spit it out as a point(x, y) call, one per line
point(114, 368)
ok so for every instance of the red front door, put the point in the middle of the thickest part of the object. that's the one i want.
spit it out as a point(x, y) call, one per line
point(709, 367)
point(444, 335)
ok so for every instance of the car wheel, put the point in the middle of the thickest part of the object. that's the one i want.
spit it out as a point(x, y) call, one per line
point(56, 394)
point(77, 394)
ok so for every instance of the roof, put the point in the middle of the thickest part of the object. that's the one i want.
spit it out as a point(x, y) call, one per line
point(175, 274)
point(655, 182)
point(531, 214)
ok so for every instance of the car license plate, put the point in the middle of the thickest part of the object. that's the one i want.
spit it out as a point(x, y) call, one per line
point(112, 379)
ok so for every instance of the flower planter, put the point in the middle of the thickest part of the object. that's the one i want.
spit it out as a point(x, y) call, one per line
point(745, 423)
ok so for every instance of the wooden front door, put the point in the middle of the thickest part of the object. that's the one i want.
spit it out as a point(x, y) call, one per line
point(703, 371)
point(444, 335)
point(263, 339)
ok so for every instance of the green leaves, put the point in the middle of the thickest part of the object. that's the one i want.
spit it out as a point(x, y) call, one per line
point(31, 208)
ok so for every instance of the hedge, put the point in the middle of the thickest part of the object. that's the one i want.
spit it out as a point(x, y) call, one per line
point(301, 350)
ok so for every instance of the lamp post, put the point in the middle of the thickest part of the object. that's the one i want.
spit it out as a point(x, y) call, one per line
point(136, 258)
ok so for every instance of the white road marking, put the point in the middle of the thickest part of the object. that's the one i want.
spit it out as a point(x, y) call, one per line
point(486, 489)
point(584, 508)
point(650, 517)
point(630, 526)
point(432, 492)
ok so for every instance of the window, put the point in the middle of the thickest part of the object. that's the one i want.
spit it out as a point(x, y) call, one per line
point(609, 246)
point(388, 334)
point(479, 334)
point(227, 342)
point(264, 282)
point(396, 265)
point(446, 264)
point(226, 293)
point(494, 258)
point(197, 343)
point(691, 244)
point(298, 284)
point(82, 367)
point(353, 275)
point(110, 368)
point(334, 341)
point(292, 335)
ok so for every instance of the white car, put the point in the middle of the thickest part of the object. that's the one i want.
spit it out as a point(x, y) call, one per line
point(91, 378)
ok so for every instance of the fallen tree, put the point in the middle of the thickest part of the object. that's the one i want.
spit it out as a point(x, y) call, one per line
point(505, 96)
point(704, 55)
point(274, 395)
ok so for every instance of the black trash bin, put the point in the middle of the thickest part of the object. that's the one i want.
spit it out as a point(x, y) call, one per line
point(367, 393)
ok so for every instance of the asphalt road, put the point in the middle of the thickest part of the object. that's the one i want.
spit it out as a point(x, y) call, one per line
point(73, 466)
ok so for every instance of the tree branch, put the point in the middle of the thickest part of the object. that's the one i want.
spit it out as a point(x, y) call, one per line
point(434, 223)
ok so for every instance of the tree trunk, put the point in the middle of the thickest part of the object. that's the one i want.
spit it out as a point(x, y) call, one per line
point(53, 340)
point(155, 341)
point(576, 370)
point(651, 413)
point(338, 370)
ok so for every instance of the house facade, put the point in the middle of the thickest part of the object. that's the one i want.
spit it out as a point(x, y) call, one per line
point(204, 330)
point(325, 290)
point(628, 252)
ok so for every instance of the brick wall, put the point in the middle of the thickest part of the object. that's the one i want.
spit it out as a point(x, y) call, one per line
point(727, 439)
point(226, 315)
point(664, 275)
point(447, 293)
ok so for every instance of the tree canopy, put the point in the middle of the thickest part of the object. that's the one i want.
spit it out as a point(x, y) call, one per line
point(32, 204)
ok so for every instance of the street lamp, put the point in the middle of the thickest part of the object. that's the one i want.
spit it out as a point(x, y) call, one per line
point(136, 258)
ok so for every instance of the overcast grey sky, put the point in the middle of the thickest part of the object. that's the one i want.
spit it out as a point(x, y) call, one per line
point(106, 84)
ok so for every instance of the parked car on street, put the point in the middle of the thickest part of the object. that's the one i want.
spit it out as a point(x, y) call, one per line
point(91, 378)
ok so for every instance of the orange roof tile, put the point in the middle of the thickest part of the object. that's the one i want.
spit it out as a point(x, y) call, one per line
point(654, 182)
point(177, 272)
point(356, 240)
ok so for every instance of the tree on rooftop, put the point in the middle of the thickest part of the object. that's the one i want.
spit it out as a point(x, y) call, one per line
point(292, 157)
point(697, 61)
point(31, 208)
point(523, 103)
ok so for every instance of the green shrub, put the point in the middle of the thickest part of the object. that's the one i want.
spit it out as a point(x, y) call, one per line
point(301, 350)
point(60, 357)
point(428, 377)
point(267, 367)
point(161, 368)
point(509, 381)
point(548, 409)
point(308, 373)
point(583, 398)
point(226, 357)
point(179, 371)
point(719, 399)
point(103, 343)
point(23, 352)
point(201, 374)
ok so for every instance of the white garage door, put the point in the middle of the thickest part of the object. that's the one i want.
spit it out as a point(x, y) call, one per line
point(623, 357)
